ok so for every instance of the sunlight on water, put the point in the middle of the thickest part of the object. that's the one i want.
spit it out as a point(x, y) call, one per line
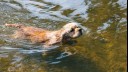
point(44, 11)
point(123, 3)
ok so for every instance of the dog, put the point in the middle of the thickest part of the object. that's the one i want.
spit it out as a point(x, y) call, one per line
point(48, 38)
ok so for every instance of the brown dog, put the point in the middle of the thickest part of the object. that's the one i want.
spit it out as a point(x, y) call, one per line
point(69, 31)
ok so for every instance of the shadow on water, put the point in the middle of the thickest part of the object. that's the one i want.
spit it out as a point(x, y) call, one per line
point(36, 62)
point(76, 64)
point(103, 49)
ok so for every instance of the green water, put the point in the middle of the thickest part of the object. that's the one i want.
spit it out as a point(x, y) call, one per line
point(103, 49)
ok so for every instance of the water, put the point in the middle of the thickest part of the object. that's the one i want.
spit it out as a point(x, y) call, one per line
point(102, 49)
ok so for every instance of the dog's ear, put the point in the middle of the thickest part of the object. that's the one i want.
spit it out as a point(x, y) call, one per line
point(54, 40)
point(59, 36)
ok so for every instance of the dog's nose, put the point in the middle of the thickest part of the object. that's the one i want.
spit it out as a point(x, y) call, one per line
point(80, 30)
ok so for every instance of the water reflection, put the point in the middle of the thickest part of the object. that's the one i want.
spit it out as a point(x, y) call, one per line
point(102, 49)
point(53, 9)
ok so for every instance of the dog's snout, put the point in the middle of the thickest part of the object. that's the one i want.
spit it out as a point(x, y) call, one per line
point(80, 30)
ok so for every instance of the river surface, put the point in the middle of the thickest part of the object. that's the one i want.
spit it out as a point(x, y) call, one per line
point(102, 49)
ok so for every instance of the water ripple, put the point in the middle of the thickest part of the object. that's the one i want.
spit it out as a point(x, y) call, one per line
point(44, 10)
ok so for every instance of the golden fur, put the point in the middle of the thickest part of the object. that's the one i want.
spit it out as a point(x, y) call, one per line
point(70, 30)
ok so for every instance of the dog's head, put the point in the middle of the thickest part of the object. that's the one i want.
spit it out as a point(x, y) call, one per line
point(73, 30)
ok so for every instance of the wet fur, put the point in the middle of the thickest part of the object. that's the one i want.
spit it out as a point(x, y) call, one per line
point(39, 35)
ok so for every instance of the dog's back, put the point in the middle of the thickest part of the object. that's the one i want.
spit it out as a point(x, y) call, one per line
point(28, 32)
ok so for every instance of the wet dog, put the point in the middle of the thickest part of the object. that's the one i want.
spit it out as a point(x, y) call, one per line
point(48, 38)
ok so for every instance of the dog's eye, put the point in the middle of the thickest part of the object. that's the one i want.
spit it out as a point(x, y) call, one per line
point(72, 30)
